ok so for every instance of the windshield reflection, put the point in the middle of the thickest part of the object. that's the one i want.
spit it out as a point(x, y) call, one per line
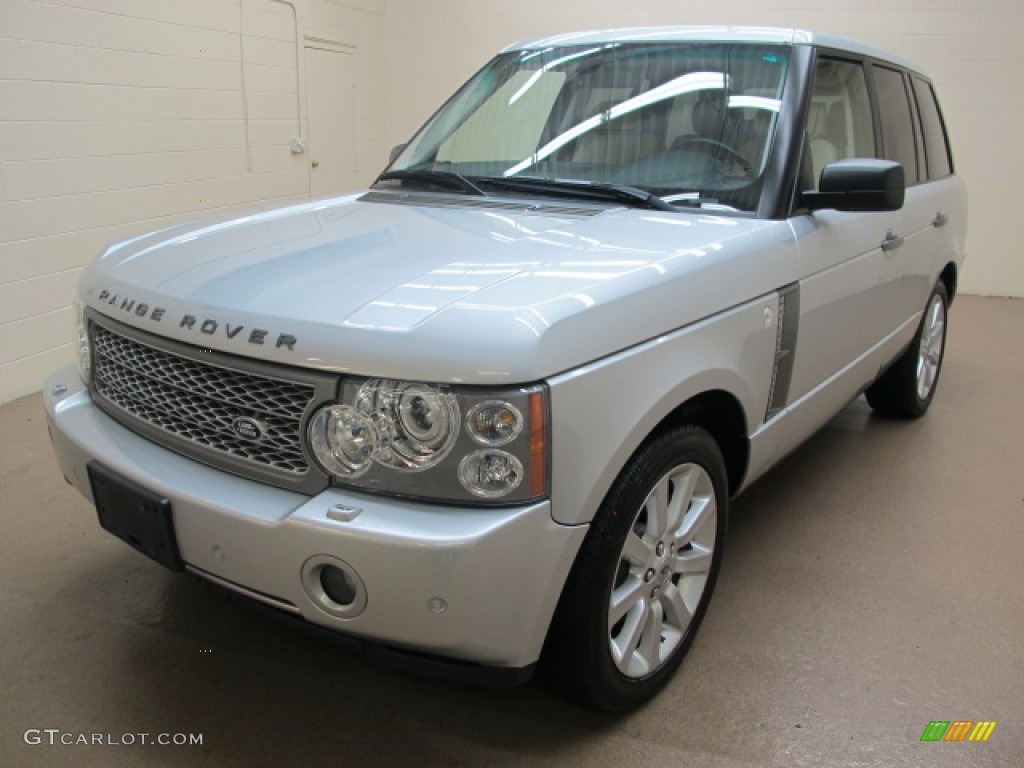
point(680, 120)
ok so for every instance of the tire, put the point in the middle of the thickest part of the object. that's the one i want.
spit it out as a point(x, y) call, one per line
point(906, 390)
point(644, 575)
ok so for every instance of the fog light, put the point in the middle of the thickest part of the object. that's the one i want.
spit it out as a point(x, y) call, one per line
point(337, 585)
point(334, 586)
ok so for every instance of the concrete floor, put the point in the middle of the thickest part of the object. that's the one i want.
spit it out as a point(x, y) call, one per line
point(872, 584)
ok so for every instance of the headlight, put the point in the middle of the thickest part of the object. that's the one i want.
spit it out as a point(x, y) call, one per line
point(343, 440)
point(494, 423)
point(82, 341)
point(490, 474)
point(418, 423)
point(412, 439)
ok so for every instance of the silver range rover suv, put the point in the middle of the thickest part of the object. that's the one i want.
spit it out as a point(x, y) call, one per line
point(489, 414)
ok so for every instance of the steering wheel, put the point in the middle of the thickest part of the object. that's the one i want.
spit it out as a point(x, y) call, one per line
point(712, 147)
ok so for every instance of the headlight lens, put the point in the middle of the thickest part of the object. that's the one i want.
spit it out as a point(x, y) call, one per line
point(490, 474)
point(343, 439)
point(418, 423)
point(411, 439)
point(494, 422)
point(82, 341)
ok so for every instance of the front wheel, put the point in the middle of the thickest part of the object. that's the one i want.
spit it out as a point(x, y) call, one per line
point(644, 575)
point(906, 390)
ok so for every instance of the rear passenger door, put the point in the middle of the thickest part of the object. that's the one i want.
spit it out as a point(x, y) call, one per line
point(935, 210)
point(901, 141)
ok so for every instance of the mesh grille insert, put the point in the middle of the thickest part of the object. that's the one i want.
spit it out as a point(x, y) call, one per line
point(199, 402)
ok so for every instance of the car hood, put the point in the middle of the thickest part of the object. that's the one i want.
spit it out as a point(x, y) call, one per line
point(441, 288)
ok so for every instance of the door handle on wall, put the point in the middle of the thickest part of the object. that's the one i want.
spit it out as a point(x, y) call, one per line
point(892, 241)
point(940, 220)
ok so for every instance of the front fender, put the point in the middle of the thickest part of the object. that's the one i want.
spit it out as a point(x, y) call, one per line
point(602, 412)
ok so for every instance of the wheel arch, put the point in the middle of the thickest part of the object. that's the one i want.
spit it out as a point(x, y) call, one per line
point(949, 276)
point(722, 416)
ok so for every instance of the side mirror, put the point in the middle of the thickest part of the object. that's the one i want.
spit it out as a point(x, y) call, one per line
point(395, 152)
point(859, 185)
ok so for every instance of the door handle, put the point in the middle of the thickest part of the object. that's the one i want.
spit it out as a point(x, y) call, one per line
point(940, 220)
point(315, 163)
point(892, 241)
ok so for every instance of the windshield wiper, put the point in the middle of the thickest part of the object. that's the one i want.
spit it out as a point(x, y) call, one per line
point(694, 200)
point(621, 193)
point(444, 179)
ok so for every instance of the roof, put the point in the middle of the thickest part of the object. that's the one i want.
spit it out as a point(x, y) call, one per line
point(764, 35)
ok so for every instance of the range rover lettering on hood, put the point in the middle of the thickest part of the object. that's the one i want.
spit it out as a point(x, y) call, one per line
point(207, 325)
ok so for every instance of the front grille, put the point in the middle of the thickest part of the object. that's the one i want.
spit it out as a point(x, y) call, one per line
point(169, 393)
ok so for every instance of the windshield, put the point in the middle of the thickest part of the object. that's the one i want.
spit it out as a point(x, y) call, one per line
point(688, 122)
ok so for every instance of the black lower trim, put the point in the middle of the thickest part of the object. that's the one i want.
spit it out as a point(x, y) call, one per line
point(421, 664)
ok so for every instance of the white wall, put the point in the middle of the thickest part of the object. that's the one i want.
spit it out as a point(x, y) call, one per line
point(973, 50)
point(120, 116)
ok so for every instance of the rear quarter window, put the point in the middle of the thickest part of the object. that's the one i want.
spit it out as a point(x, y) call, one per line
point(939, 160)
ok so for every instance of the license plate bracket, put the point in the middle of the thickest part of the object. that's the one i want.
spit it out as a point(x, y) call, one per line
point(135, 515)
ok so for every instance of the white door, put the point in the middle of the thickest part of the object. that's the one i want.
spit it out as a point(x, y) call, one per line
point(330, 114)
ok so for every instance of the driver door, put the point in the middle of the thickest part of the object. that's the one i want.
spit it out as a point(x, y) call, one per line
point(848, 266)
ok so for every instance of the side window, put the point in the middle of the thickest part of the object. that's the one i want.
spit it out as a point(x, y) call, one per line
point(839, 121)
point(897, 124)
point(936, 145)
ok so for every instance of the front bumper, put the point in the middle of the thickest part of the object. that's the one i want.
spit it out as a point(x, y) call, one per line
point(476, 585)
